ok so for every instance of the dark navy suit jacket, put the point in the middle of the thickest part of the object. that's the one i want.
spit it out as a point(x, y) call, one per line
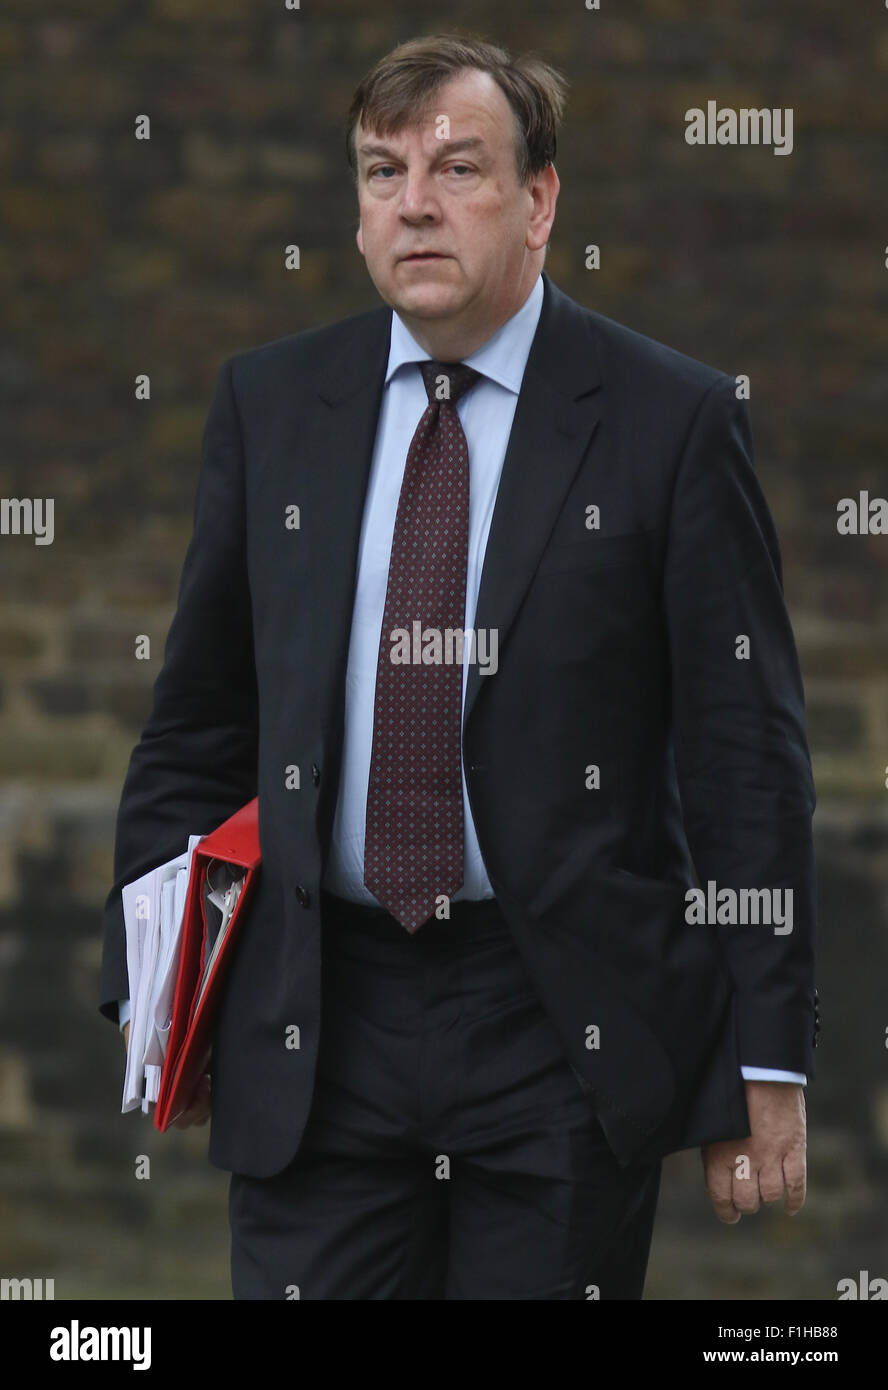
point(617, 648)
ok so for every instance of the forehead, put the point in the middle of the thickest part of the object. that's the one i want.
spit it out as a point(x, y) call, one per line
point(474, 105)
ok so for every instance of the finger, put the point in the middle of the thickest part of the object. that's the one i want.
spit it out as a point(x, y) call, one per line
point(196, 1114)
point(718, 1186)
point(187, 1117)
point(202, 1105)
point(725, 1210)
point(745, 1192)
point(197, 1111)
point(771, 1183)
point(795, 1181)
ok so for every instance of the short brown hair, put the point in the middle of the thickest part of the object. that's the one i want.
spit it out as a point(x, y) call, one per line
point(397, 90)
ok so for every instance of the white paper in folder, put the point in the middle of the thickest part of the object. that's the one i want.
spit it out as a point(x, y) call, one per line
point(153, 907)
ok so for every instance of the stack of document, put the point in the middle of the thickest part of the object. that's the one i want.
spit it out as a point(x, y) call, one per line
point(182, 921)
point(153, 908)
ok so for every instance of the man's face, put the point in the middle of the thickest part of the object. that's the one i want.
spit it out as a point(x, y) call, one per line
point(450, 187)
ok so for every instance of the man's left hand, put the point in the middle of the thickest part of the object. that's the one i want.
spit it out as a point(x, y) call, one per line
point(769, 1165)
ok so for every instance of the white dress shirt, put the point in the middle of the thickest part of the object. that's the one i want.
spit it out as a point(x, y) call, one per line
point(486, 413)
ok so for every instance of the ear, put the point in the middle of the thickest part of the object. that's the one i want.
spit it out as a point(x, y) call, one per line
point(360, 239)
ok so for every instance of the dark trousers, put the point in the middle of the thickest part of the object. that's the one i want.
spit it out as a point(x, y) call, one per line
point(449, 1152)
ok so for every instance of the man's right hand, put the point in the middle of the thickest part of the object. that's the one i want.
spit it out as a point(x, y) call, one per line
point(198, 1111)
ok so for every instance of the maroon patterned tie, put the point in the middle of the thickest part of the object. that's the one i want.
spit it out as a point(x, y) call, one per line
point(413, 849)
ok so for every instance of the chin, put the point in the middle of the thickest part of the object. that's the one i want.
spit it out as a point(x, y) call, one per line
point(427, 309)
point(425, 297)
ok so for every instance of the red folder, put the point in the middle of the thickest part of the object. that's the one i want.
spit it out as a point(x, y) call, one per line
point(236, 842)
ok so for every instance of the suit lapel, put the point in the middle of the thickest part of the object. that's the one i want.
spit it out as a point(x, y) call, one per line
point(555, 417)
point(338, 454)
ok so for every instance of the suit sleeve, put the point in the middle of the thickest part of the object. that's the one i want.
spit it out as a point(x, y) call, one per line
point(195, 763)
point(741, 752)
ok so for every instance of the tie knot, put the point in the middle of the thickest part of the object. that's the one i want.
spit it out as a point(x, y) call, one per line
point(457, 378)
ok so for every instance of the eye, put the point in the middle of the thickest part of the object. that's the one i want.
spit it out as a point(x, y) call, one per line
point(451, 169)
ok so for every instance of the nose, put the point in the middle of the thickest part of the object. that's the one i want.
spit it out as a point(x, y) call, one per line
point(418, 199)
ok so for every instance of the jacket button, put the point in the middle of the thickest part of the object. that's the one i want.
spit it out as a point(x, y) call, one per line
point(303, 897)
point(315, 773)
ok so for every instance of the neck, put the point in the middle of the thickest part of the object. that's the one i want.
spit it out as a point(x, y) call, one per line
point(452, 341)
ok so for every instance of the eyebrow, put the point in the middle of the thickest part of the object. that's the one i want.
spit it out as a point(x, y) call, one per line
point(447, 147)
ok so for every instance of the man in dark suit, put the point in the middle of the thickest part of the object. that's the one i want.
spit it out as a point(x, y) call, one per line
point(472, 1008)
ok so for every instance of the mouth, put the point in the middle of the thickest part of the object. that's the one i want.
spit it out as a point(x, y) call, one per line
point(425, 256)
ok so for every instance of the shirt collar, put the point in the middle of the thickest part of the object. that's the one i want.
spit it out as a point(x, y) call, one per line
point(502, 358)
